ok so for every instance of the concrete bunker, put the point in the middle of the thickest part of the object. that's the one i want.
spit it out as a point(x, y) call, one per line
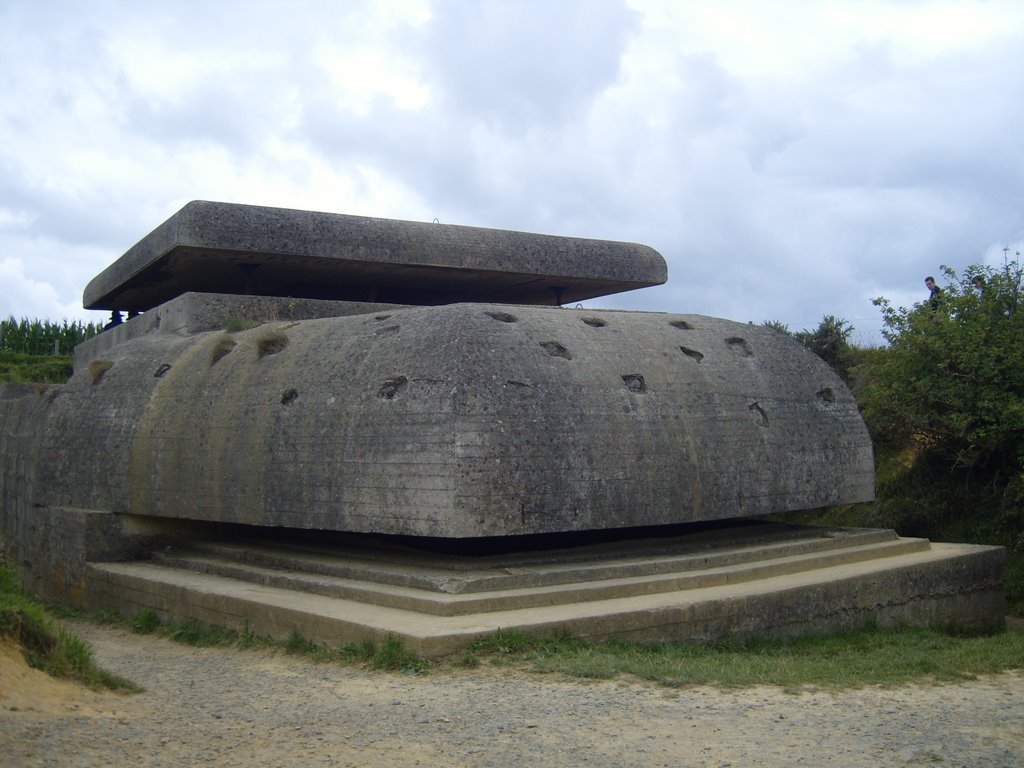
point(410, 407)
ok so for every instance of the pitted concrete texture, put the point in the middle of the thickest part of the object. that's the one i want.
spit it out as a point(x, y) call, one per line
point(197, 312)
point(460, 421)
point(245, 249)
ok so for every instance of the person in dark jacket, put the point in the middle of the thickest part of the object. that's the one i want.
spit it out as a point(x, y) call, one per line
point(933, 292)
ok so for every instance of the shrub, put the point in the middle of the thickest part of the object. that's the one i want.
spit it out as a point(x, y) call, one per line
point(945, 406)
point(953, 379)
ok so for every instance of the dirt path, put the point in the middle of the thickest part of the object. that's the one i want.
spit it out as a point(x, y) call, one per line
point(222, 707)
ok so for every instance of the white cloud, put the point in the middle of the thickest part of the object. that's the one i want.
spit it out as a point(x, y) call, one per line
point(794, 41)
point(21, 296)
point(789, 159)
point(515, 67)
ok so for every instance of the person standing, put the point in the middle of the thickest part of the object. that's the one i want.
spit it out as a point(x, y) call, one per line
point(933, 292)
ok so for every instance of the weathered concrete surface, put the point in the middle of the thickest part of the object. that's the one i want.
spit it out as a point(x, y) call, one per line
point(349, 410)
point(437, 585)
point(245, 249)
point(52, 544)
point(770, 596)
point(459, 421)
point(197, 312)
point(552, 563)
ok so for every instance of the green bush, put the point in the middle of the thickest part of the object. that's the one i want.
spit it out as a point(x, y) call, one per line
point(952, 380)
point(945, 406)
point(831, 342)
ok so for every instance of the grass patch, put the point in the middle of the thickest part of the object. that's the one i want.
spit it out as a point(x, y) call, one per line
point(870, 656)
point(297, 644)
point(270, 342)
point(393, 657)
point(192, 632)
point(202, 635)
point(843, 660)
point(222, 347)
point(45, 646)
point(18, 367)
point(357, 653)
point(97, 368)
point(146, 623)
point(390, 656)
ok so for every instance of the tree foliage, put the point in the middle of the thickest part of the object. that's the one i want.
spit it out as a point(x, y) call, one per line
point(949, 388)
point(953, 378)
point(831, 342)
point(777, 325)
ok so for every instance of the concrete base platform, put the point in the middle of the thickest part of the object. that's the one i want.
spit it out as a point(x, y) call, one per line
point(758, 579)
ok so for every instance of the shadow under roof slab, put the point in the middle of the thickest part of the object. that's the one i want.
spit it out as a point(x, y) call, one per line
point(260, 251)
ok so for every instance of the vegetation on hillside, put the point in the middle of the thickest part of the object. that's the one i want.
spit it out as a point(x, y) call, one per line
point(39, 351)
point(45, 645)
point(944, 403)
point(950, 388)
point(15, 366)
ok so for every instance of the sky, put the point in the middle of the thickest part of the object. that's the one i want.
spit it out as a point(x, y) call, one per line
point(790, 160)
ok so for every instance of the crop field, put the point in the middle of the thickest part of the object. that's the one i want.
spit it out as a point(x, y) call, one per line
point(35, 337)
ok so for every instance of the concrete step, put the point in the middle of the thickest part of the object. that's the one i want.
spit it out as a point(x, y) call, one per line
point(943, 582)
point(590, 583)
point(458, 574)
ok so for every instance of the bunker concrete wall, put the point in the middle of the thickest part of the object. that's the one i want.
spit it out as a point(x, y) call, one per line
point(22, 416)
point(457, 421)
point(52, 544)
point(197, 312)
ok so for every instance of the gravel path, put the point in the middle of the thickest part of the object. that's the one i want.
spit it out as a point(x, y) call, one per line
point(220, 707)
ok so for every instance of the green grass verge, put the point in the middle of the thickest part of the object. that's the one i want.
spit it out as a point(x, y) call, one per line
point(390, 655)
point(46, 646)
point(871, 656)
point(18, 367)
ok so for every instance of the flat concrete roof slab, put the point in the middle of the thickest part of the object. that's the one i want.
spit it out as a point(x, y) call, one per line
point(255, 250)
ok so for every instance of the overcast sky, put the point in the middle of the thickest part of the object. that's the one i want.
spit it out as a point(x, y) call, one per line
point(789, 159)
